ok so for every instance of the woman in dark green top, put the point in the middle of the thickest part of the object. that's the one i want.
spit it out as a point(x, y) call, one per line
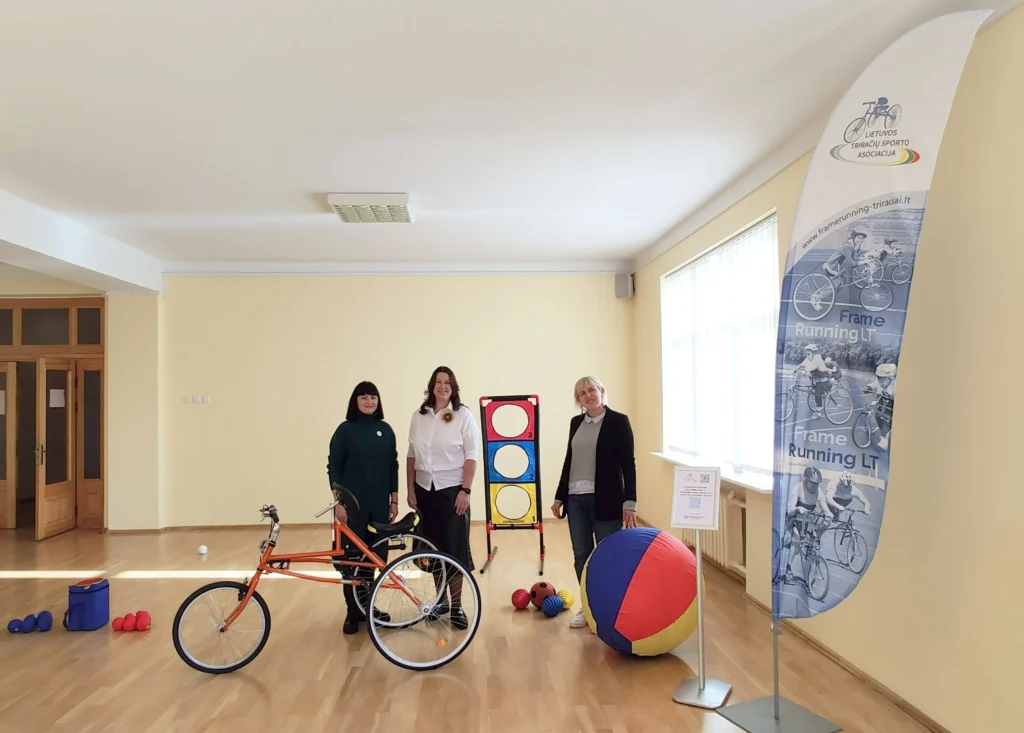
point(364, 459)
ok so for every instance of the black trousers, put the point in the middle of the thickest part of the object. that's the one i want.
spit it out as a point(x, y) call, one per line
point(357, 523)
point(442, 526)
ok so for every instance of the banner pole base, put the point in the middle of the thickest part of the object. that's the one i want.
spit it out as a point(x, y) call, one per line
point(776, 714)
point(711, 697)
point(758, 716)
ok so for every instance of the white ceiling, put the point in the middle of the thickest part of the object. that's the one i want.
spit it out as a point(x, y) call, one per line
point(570, 131)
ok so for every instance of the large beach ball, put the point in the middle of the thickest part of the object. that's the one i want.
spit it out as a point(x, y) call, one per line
point(639, 591)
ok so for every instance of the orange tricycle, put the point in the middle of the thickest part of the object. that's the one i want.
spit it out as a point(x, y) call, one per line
point(407, 600)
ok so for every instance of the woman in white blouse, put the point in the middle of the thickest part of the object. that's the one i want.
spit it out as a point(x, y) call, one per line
point(444, 446)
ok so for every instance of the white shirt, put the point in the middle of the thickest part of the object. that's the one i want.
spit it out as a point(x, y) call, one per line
point(813, 363)
point(876, 386)
point(442, 448)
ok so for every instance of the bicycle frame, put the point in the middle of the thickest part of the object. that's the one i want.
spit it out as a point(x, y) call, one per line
point(334, 556)
point(799, 387)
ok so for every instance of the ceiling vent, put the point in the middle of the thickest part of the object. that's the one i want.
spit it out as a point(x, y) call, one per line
point(371, 208)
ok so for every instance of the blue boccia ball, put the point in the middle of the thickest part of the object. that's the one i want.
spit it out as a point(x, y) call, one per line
point(44, 622)
point(552, 605)
point(29, 624)
point(14, 625)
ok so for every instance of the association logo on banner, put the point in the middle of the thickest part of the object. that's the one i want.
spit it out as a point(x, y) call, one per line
point(874, 137)
point(845, 295)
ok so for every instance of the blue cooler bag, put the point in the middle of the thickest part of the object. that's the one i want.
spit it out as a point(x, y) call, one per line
point(88, 605)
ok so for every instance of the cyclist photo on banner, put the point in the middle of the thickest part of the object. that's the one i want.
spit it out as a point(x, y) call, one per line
point(805, 497)
point(835, 373)
point(814, 367)
point(883, 387)
point(846, 256)
point(841, 494)
point(864, 269)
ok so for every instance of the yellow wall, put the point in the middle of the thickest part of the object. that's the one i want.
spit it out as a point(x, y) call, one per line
point(936, 618)
point(279, 357)
point(25, 284)
point(134, 481)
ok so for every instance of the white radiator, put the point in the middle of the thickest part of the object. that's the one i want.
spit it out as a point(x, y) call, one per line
point(725, 547)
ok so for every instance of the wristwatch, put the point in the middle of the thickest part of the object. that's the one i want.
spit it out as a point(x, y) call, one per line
point(468, 491)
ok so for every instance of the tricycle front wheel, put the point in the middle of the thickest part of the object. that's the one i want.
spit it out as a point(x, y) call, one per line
point(199, 635)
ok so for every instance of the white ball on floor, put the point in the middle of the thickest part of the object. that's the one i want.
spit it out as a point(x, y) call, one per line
point(202, 549)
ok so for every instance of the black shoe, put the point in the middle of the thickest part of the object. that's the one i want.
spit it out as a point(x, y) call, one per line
point(382, 616)
point(438, 611)
point(351, 626)
point(459, 620)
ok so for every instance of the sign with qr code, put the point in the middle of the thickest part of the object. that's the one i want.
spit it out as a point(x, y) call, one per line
point(695, 498)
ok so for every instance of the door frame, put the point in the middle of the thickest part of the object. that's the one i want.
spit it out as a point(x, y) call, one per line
point(91, 354)
point(10, 502)
point(43, 365)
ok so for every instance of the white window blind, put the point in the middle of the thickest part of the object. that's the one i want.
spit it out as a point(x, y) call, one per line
point(719, 319)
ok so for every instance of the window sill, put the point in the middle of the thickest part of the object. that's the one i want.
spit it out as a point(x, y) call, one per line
point(749, 481)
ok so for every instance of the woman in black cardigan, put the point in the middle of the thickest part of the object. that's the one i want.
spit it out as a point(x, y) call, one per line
point(597, 488)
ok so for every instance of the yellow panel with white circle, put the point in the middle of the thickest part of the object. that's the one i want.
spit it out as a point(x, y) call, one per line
point(514, 504)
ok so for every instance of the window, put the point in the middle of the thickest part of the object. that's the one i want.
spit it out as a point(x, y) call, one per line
point(6, 327)
point(719, 320)
point(46, 326)
point(89, 326)
point(33, 327)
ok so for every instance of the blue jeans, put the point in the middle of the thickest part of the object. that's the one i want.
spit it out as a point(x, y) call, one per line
point(584, 528)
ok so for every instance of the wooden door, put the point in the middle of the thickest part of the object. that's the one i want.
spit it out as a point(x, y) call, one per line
point(90, 475)
point(8, 444)
point(55, 478)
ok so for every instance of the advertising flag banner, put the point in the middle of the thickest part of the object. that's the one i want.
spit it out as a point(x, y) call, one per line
point(844, 304)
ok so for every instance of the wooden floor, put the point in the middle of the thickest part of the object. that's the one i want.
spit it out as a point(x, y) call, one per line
point(523, 672)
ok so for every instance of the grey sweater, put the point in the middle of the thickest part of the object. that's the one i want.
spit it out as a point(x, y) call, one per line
point(584, 454)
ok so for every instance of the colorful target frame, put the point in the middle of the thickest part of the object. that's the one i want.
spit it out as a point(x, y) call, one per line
point(512, 467)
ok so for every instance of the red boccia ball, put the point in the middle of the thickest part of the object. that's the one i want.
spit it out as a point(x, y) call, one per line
point(521, 598)
point(143, 621)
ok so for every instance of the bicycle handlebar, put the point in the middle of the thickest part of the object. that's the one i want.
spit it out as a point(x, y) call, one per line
point(270, 512)
point(327, 509)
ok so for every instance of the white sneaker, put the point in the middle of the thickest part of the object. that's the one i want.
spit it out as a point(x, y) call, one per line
point(578, 621)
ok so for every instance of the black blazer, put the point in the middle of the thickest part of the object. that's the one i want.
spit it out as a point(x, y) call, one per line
point(615, 477)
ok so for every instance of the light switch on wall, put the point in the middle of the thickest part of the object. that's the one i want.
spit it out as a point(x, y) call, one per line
point(206, 400)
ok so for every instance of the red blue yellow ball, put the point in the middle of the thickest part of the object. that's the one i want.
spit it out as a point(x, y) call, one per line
point(639, 591)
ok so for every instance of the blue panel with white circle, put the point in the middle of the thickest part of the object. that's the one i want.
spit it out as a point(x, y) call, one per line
point(517, 458)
